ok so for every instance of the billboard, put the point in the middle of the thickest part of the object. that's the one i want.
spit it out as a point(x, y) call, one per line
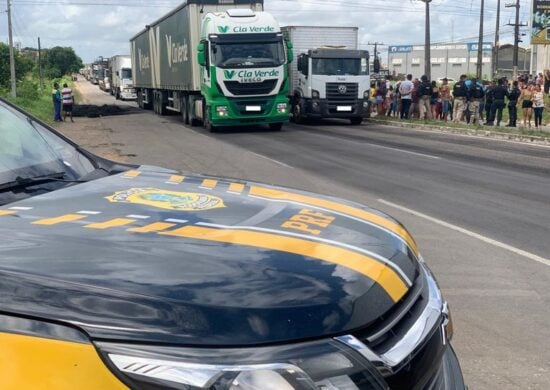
point(540, 22)
point(400, 49)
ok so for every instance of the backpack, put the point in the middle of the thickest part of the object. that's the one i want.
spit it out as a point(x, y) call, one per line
point(426, 89)
point(477, 91)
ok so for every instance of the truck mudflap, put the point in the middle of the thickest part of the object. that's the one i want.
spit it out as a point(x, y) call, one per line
point(249, 111)
point(322, 108)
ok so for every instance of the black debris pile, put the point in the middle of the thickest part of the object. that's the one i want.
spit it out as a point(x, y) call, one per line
point(92, 111)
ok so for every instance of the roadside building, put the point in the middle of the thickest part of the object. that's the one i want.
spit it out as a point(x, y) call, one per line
point(449, 60)
point(505, 64)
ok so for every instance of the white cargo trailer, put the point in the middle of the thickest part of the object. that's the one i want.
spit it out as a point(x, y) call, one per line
point(330, 78)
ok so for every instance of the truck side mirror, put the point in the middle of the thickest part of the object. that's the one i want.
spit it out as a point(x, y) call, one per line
point(376, 65)
point(200, 54)
point(289, 51)
point(299, 62)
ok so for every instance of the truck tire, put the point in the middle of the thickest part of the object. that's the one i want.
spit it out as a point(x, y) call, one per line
point(161, 106)
point(206, 121)
point(297, 113)
point(117, 94)
point(356, 121)
point(184, 110)
point(275, 126)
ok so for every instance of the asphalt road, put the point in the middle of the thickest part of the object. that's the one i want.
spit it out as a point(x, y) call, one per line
point(479, 209)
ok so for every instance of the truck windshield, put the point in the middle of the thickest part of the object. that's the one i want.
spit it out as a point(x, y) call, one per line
point(239, 55)
point(340, 66)
point(126, 73)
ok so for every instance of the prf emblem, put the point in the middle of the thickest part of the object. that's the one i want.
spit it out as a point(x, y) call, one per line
point(169, 200)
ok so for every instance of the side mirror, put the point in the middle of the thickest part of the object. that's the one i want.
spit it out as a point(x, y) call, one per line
point(200, 54)
point(376, 65)
point(289, 51)
point(299, 63)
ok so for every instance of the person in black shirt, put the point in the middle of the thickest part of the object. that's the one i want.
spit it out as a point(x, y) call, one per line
point(499, 94)
point(512, 104)
point(461, 93)
point(489, 102)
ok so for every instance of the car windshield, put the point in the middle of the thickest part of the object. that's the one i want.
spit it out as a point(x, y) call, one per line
point(239, 55)
point(28, 150)
point(340, 66)
point(126, 73)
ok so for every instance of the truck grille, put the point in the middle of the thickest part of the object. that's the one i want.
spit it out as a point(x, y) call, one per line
point(342, 93)
point(242, 89)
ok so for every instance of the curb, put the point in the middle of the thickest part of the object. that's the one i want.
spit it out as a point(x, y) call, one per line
point(534, 139)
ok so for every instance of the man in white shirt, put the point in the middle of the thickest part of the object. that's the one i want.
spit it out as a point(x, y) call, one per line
point(405, 90)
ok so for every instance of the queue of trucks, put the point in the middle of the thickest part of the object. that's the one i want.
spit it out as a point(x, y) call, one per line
point(229, 63)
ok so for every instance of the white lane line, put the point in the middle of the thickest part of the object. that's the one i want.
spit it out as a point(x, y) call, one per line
point(402, 151)
point(173, 220)
point(137, 216)
point(21, 208)
point(517, 251)
point(272, 160)
point(88, 212)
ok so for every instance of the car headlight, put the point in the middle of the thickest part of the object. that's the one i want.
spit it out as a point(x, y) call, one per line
point(221, 110)
point(323, 364)
point(315, 94)
point(282, 108)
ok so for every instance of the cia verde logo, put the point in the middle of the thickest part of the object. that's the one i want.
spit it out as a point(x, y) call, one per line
point(229, 74)
point(169, 200)
point(223, 29)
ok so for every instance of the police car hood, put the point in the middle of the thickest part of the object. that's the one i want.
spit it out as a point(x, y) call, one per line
point(148, 256)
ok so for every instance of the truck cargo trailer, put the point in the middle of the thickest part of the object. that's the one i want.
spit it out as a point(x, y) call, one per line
point(219, 62)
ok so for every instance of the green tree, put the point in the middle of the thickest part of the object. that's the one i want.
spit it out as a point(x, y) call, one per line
point(59, 61)
point(23, 65)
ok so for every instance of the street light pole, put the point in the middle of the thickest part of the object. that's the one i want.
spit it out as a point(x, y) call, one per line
point(12, 56)
point(479, 67)
point(497, 38)
point(427, 59)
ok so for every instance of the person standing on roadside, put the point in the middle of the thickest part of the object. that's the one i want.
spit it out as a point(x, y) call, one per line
point(424, 98)
point(434, 100)
point(57, 100)
point(538, 105)
point(547, 81)
point(513, 97)
point(405, 90)
point(499, 94)
point(476, 95)
point(489, 98)
point(68, 101)
point(526, 99)
point(445, 93)
point(461, 94)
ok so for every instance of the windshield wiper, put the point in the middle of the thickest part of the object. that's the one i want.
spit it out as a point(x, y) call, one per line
point(23, 182)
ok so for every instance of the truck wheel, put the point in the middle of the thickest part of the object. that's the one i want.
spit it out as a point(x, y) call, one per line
point(161, 106)
point(297, 114)
point(356, 121)
point(184, 110)
point(275, 126)
point(206, 121)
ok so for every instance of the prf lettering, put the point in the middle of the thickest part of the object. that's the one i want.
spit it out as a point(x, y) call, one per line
point(308, 221)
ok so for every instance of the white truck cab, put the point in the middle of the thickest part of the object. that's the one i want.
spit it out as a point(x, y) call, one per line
point(121, 75)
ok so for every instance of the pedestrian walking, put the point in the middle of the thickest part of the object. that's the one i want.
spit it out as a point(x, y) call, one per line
point(526, 99)
point(405, 90)
point(57, 100)
point(489, 98)
point(445, 93)
point(513, 97)
point(476, 96)
point(424, 98)
point(500, 93)
point(461, 94)
point(538, 105)
point(68, 101)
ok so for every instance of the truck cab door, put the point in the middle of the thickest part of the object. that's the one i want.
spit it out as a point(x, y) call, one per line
point(204, 61)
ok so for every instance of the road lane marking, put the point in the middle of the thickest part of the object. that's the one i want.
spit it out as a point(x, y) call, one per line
point(361, 215)
point(467, 232)
point(272, 160)
point(236, 188)
point(175, 179)
point(110, 223)
point(386, 277)
point(382, 259)
point(56, 220)
point(21, 208)
point(174, 220)
point(209, 184)
point(88, 212)
point(153, 227)
point(137, 216)
point(402, 151)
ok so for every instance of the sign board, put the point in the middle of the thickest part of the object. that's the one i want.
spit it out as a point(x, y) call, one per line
point(400, 49)
point(486, 46)
point(540, 22)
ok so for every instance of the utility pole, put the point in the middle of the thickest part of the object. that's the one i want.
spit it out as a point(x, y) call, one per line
point(12, 56)
point(516, 25)
point(40, 64)
point(497, 38)
point(427, 59)
point(376, 44)
point(479, 67)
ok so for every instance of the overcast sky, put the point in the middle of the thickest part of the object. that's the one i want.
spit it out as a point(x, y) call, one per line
point(103, 27)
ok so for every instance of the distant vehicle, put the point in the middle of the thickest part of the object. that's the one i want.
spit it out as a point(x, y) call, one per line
point(330, 78)
point(105, 83)
point(121, 77)
point(118, 276)
point(219, 62)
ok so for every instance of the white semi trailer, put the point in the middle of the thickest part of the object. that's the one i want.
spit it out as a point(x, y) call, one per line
point(330, 78)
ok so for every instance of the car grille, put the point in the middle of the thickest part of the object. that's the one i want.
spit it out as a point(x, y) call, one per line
point(242, 89)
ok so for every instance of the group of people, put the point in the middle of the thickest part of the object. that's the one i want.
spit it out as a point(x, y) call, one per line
point(468, 100)
point(63, 101)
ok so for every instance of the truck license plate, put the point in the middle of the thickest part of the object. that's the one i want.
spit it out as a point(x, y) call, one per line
point(254, 108)
point(343, 108)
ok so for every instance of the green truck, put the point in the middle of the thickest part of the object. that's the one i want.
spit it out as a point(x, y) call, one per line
point(215, 62)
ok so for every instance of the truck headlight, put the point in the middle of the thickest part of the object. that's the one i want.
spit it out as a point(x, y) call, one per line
point(282, 108)
point(221, 110)
point(325, 364)
point(315, 94)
